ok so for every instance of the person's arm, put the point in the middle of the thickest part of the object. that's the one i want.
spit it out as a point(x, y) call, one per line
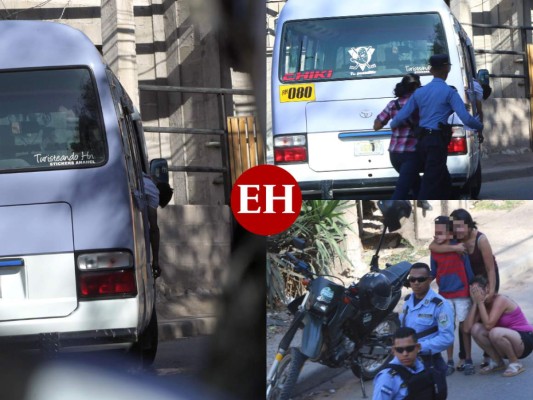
point(404, 113)
point(445, 336)
point(488, 260)
point(447, 248)
point(378, 124)
point(383, 117)
point(459, 107)
point(383, 387)
point(489, 320)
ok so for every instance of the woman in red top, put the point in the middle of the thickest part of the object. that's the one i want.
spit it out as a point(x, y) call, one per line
point(499, 326)
point(402, 149)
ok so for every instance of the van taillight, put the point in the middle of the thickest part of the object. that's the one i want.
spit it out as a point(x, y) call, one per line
point(290, 149)
point(106, 284)
point(291, 154)
point(457, 146)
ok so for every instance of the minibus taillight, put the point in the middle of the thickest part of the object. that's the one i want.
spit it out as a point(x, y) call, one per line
point(290, 149)
point(114, 283)
point(106, 275)
point(458, 145)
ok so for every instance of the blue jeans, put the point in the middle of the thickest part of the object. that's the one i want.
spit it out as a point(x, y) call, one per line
point(436, 183)
point(408, 165)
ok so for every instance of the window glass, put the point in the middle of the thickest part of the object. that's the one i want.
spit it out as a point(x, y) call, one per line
point(50, 119)
point(360, 47)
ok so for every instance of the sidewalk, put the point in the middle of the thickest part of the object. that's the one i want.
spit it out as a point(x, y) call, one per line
point(512, 164)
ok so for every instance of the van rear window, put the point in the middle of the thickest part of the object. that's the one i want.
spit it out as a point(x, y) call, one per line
point(360, 47)
point(49, 119)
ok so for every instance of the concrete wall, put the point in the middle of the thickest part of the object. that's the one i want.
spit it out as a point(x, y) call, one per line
point(195, 254)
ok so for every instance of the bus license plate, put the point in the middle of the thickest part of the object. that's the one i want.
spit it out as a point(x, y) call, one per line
point(305, 92)
point(368, 148)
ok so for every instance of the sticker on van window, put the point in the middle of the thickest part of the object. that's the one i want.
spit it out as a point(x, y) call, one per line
point(59, 160)
point(304, 92)
point(417, 69)
point(307, 75)
point(361, 57)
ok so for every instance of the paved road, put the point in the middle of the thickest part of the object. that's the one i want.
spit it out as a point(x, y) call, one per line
point(516, 189)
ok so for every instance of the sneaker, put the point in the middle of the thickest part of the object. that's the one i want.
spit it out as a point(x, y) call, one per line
point(469, 368)
point(451, 368)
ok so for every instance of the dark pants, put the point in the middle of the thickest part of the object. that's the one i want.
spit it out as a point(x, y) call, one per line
point(408, 165)
point(436, 182)
point(439, 367)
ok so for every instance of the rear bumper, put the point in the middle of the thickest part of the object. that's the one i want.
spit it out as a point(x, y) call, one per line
point(94, 325)
point(65, 341)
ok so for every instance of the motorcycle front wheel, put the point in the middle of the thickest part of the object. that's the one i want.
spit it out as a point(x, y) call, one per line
point(286, 376)
point(375, 354)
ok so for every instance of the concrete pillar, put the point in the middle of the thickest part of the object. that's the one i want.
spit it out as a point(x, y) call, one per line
point(118, 43)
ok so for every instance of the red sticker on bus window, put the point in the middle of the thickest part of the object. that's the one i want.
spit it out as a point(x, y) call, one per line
point(307, 75)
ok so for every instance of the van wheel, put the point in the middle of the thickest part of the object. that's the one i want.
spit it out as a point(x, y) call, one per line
point(145, 349)
point(472, 187)
point(475, 184)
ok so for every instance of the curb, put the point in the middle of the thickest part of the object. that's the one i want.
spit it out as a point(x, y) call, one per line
point(516, 268)
point(186, 327)
point(496, 174)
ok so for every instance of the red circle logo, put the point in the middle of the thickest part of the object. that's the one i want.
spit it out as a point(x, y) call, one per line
point(266, 200)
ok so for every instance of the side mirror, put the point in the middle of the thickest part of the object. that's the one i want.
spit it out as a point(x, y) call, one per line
point(483, 76)
point(298, 243)
point(393, 211)
point(159, 170)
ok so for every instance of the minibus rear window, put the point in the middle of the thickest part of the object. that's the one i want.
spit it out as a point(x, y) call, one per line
point(49, 119)
point(360, 47)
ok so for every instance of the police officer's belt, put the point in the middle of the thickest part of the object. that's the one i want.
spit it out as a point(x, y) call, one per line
point(427, 131)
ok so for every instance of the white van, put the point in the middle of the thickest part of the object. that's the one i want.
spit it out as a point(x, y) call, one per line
point(74, 251)
point(335, 65)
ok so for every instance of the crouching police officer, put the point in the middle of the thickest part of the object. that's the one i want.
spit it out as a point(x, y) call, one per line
point(405, 377)
point(431, 316)
point(435, 102)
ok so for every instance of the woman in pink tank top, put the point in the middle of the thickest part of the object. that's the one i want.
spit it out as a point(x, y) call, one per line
point(499, 327)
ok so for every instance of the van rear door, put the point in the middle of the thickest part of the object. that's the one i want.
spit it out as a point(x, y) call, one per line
point(37, 268)
point(340, 135)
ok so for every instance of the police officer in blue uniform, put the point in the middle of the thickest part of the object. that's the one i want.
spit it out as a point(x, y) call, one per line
point(389, 383)
point(431, 316)
point(435, 103)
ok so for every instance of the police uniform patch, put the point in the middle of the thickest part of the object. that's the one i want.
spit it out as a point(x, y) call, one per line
point(386, 390)
point(444, 321)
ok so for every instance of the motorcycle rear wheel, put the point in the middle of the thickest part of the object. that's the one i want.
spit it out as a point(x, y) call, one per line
point(371, 364)
point(287, 374)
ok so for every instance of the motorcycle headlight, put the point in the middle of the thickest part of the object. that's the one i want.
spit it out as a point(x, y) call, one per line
point(320, 307)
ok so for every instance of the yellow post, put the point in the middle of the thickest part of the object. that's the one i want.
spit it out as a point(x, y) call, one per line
point(530, 77)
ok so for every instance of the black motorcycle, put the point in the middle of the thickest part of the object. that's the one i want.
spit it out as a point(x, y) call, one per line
point(342, 326)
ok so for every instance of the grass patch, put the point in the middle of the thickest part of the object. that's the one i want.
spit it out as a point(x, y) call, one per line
point(500, 205)
point(405, 252)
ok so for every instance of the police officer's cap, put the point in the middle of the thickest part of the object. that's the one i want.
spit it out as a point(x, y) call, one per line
point(439, 60)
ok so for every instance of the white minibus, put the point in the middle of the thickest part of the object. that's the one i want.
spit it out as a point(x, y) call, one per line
point(335, 65)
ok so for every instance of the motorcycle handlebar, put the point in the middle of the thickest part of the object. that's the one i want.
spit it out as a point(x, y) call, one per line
point(299, 265)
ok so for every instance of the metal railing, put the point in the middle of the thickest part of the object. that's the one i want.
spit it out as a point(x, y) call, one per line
point(225, 169)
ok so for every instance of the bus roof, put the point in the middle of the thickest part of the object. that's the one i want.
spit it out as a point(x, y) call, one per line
point(304, 9)
point(34, 44)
